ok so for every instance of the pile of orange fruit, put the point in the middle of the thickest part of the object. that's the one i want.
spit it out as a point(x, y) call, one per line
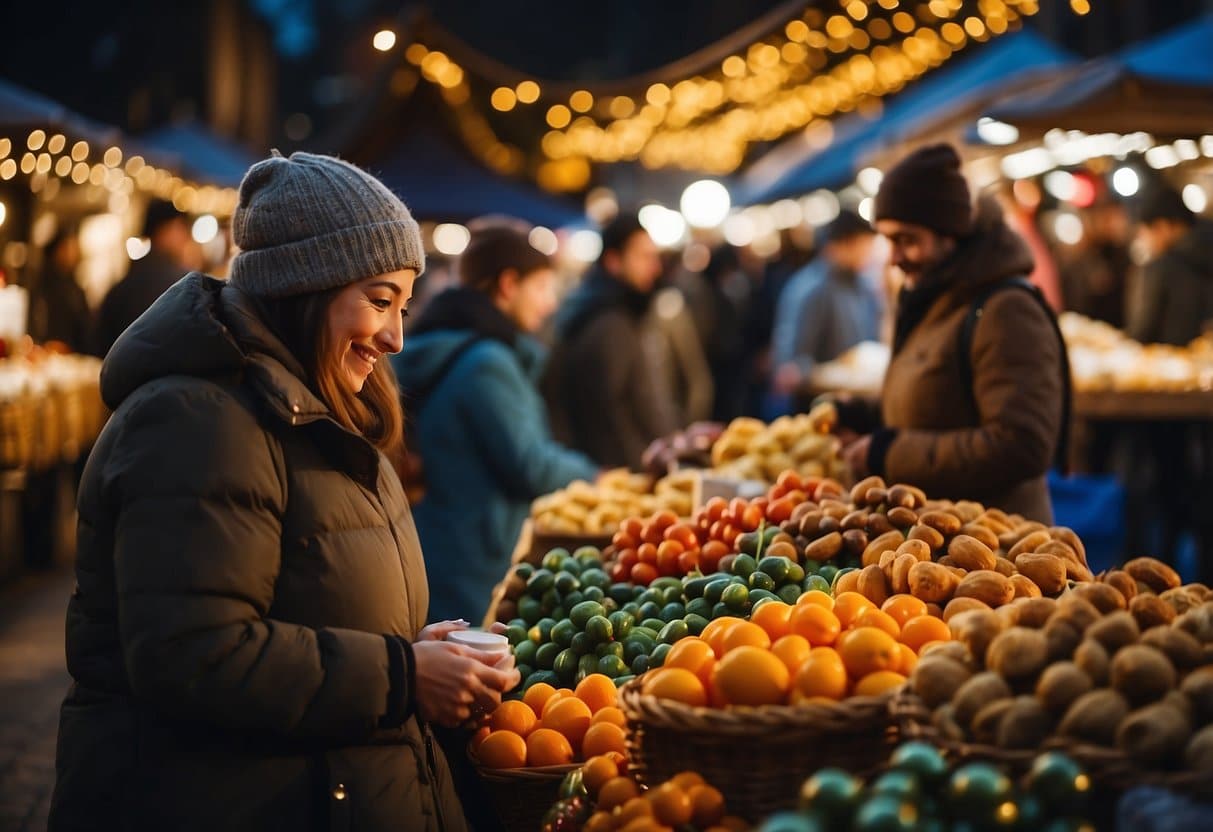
point(551, 727)
point(820, 648)
point(685, 801)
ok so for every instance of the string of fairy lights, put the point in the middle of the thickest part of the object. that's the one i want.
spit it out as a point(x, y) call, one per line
point(834, 57)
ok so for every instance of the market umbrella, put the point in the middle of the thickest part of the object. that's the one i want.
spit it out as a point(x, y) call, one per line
point(197, 152)
point(24, 109)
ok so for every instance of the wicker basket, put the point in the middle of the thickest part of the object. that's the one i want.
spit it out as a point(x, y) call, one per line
point(1111, 770)
point(521, 796)
point(757, 757)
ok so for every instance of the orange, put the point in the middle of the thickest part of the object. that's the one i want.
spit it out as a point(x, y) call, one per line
point(675, 683)
point(612, 715)
point(822, 674)
point(744, 634)
point(513, 715)
point(598, 770)
point(686, 779)
point(503, 749)
point(707, 805)
point(848, 606)
point(816, 596)
point(616, 792)
point(879, 682)
point(559, 695)
point(537, 696)
point(792, 650)
point(907, 661)
point(671, 805)
point(713, 634)
point(695, 655)
point(773, 617)
point(818, 625)
point(479, 736)
point(879, 620)
point(571, 717)
point(599, 822)
point(597, 691)
point(751, 676)
point(636, 814)
point(866, 650)
point(920, 631)
point(903, 607)
point(545, 747)
point(602, 738)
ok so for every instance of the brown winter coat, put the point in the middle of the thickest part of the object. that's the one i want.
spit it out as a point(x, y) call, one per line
point(241, 559)
point(995, 445)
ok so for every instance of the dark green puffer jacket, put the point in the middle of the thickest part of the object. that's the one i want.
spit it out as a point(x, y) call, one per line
point(241, 558)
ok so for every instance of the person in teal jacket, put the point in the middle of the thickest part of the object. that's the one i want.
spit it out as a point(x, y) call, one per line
point(469, 373)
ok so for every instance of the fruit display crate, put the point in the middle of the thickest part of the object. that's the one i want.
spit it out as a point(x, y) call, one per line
point(758, 756)
point(1110, 770)
point(1145, 406)
point(521, 796)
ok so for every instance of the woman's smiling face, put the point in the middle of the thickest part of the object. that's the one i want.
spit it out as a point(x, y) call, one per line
point(365, 323)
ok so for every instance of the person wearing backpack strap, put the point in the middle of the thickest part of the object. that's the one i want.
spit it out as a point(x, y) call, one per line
point(978, 418)
point(468, 374)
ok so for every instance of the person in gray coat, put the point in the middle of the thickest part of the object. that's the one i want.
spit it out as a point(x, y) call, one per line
point(606, 387)
point(247, 638)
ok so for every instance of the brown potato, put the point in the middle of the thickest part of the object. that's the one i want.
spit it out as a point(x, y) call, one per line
point(1151, 611)
point(944, 522)
point(930, 536)
point(984, 728)
point(944, 720)
point(847, 582)
point(1078, 611)
point(931, 582)
point(902, 517)
point(873, 585)
point(1067, 536)
point(982, 534)
point(1048, 572)
point(1178, 599)
point(1028, 543)
point(854, 541)
point(1105, 598)
point(855, 520)
point(1142, 673)
point(900, 579)
point(970, 553)
point(1154, 573)
point(1198, 686)
point(1123, 582)
point(877, 524)
point(919, 549)
point(959, 605)
point(1060, 684)
point(877, 546)
point(1025, 587)
point(987, 586)
point(900, 496)
point(824, 548)
point(860, 489)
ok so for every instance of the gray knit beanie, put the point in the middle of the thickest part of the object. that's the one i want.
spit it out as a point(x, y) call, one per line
point(311, 223)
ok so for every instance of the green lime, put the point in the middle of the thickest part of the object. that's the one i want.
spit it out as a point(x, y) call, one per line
point(789, 594)
point(885, 813)
point(565, 665)
point(657, 657)
point(761, 580)
point(769, 533)
point(639, 664)
point(570, 567)
point(796, 573)
point(757, 595)
point(721, 610)
point(654, 624)
point(826, 573)
point(554, 558)
point(650, 596)
point(612, 666)
point(921, 759)
point(609, 648)
point(622, 593)
point(545, 626)
point(584, 553)
point(749, 543)
point(631, 608)
point(595, 578)
point(621, 623)
point(649, 609)
point(735, 597)
point(583, 612)
point(593, 593)
point(541, 581)
point(563, 632)
point(582, 643)
point(812, 567)
point(524, 670)
point(976, 789)
point(776, 567)
point(637, 646)
point(545, 656)
point(699, 606)
point(672, 611)
point(620, 681)
point(672, 632)
point(693, 588)
point(524, 570)
point(714, 589)
point(564, 583)
point(569, 601)
point(530, 610)
point(744, 566)
point(545, 676)
point(647, 632)
point(673, 595)
point(516, 634)
point(524, 652)
point(599, 629)
point(696, 623)
point(559, 613)
point(817, 582)
point(550, 601)
point(666, 582)
point(586, 665)
point(833, 793)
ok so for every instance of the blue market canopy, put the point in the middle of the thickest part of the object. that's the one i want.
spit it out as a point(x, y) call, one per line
point(197, 153)
point(957, 91)
point(440, 182)
point(1163, 87)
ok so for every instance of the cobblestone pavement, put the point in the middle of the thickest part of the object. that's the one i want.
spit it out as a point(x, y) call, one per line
point(33, 680)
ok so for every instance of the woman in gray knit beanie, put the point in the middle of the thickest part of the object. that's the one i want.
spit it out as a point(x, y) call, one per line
point(248, 637)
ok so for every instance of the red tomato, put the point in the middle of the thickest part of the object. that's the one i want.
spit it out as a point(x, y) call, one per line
point(628, 558)
point(663, 519)
point(633, 527)
point(618, 572)
point(780, 510)
point(752, 518)
point(688, 561)
point(623, 540)
point(644, 574)
point(647, 553)
point(667, 557)
point(651, 533)
point(789, 480)
point(716, 508)
point(684, 534)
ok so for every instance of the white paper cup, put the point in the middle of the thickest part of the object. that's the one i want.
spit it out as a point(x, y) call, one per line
point(493, 643)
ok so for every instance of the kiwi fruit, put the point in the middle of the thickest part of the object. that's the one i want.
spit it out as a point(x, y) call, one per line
point(1198, 686)
point(1025, 724)
point(1018, 653)
point(1115, 631)
point(1095, 716)
point(1062, 638)
point(1198, 755)
point(1181, 648)
point(1060, 684)
point(1092, 659)
point(1142, 673)
point(936, 678)
point(1155, 734)
point(977, 693)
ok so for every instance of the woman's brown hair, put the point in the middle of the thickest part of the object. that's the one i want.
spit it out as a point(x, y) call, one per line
point(301, 323)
